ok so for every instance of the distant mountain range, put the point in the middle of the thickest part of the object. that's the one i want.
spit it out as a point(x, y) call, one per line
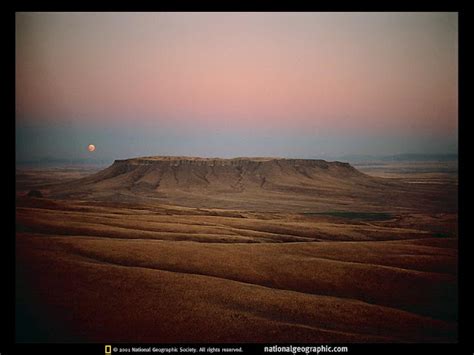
point(398, 157)
point(52, 162)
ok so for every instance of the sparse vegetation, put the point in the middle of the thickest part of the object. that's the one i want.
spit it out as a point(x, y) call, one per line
point(363, 216)
point(251, 265)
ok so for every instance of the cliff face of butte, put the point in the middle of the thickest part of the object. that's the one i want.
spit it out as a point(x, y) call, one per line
point(220, 175)
point(256, 183)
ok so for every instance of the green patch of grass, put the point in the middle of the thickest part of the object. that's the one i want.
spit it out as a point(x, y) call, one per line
point(441, 235)
point(364, 216)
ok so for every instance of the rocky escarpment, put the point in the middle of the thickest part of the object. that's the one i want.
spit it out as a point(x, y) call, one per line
point(251, 183)
point(238, 174)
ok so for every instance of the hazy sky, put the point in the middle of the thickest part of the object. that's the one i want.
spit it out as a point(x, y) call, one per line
point(235, 84)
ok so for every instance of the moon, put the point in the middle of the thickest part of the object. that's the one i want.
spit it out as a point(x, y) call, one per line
point(91, 147)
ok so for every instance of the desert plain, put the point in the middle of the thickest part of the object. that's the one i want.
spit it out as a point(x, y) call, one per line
point(181, 249)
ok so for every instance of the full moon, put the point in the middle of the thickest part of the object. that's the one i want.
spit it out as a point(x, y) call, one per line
point(91, 147)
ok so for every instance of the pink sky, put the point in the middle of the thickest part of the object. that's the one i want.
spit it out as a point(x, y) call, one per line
point(377, 73)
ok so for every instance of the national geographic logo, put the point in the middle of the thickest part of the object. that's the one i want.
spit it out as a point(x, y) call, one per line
point(108, 349)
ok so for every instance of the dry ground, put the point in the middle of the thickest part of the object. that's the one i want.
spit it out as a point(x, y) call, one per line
point(144, 270)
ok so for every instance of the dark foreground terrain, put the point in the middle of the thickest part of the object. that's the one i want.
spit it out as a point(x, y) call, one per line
point(166, 249)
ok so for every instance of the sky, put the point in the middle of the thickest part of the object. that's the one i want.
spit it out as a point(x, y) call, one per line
point(302, 85)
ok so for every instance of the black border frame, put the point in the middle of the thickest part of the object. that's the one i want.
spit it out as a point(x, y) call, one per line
point(465, 344)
